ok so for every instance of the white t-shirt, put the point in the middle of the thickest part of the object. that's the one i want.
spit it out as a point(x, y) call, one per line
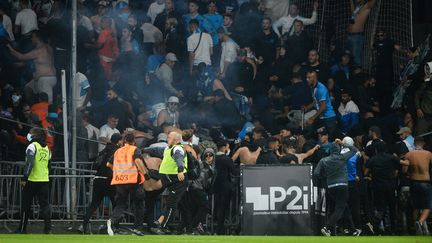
point(202, 54)
point(106, 132)
point(287, 23)
point(82, 85)
point(154, 10)
point(229, 53)
point(92, 130)
point(350, 107)
point(27, 20)
point(7, 24)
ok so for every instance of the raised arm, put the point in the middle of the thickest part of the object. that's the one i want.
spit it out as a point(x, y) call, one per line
point(308, 153)
point(276, 25)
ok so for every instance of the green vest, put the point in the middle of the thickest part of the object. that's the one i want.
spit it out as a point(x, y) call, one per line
point(168, 165)
point(39, 172)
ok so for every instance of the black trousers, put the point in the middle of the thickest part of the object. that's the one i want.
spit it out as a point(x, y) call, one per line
point(40, 190)
point(176, 190)
point(101, 188)
point(354, 203)
point(135, 191)
point(339, 195)
point(193, 207)
point(222, 203)
point(385, 198)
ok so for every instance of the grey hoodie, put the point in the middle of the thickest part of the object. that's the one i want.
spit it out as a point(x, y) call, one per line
point(334, 167)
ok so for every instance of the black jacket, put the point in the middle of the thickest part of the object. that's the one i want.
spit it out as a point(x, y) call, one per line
point(105, 156)
point(225, 168)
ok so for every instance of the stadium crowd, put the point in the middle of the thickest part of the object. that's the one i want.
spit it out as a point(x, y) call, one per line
point(233, 86)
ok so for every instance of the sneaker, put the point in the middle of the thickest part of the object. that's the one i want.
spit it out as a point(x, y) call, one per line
point(370, 228)
point(158, 231)
point(425, 228)
point(200, 229)
point(110, 231)
point(81, 229)
point(357, 232)
point(346, 231)
point(325, 232)
point(418, 227)
point(137, 232)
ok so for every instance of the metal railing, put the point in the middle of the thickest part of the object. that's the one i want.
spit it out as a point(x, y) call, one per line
point(10, 197)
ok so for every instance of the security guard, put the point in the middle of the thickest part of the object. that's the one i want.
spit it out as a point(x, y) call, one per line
point(173, 176)
point(35, 181)
point(128, 170)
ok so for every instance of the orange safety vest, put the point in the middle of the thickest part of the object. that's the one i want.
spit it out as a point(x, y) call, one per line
point(124, 169)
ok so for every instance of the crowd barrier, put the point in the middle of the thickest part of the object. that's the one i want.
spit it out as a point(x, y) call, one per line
point(10, 197)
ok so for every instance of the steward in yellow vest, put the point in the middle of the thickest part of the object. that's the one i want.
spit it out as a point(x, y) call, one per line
point(173, 176)
point(35, 181)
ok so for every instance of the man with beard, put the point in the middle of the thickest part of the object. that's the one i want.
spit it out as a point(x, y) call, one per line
point(384, 49)
point(120, 108)
point(298, 44)
point(266, 42)
point(314, 64)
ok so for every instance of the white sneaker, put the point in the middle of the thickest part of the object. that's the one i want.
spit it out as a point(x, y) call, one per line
point(425, 228)
point(109, 228)
point(325, 232)
point(357, 232)
point(370, 227)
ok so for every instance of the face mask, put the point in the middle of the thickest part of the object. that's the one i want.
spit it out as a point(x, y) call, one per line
point(228, 152)
point(29, 137)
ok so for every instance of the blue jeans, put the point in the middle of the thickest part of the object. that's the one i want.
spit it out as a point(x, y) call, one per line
point(355, 44)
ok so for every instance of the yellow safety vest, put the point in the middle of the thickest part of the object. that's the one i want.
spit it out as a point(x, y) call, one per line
point(169, 165)
point(40, 172)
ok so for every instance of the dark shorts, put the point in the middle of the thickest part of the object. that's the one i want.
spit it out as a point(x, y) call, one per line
point(421, 194)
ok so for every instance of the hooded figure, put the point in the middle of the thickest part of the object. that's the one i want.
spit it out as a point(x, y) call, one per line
point(207, 171)
point(334, 169)
point(334, 166)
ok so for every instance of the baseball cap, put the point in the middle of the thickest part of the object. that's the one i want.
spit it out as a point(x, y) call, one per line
point(173, 99)
point(348, 141)
point(162, 137)
point(171, 57)
point(404, 130)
